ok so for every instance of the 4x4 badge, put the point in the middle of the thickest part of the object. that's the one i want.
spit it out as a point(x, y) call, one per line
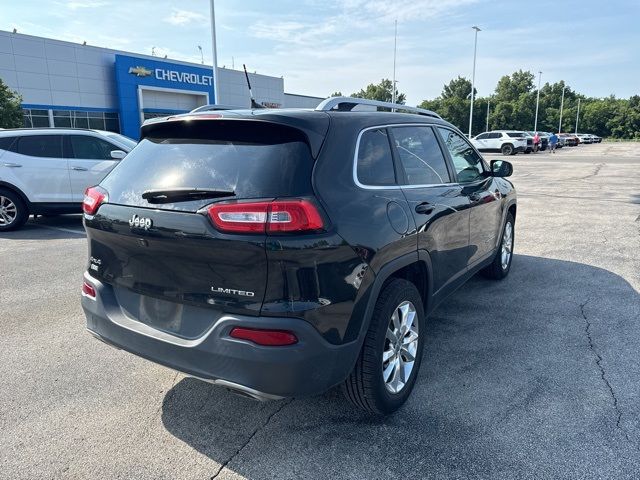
point(140, 222)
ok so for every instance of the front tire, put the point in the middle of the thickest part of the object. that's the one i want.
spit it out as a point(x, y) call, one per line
point(13, 211)
point(386, 370)
point(501, 264)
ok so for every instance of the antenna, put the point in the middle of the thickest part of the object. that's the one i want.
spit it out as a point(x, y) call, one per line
point(254, 104)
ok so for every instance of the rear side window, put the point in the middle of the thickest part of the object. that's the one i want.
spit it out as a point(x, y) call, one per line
point(375, 163)
point(252, 159)
point(6, 142)
point(483, 136)
point(420, 156)
point(47, 146)
point(516, 134)
point(90, 148)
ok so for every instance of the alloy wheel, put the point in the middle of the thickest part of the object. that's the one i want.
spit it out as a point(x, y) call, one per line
point(8, 211)
point(400, 347)
point(507, 245)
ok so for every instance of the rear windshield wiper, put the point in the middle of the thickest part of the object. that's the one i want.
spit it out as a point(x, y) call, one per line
point(184, 195)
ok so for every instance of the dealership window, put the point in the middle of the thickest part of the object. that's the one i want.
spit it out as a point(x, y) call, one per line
point(81, 119)
point(35, 118)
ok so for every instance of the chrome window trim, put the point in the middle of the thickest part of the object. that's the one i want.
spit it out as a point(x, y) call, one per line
point(396, 186)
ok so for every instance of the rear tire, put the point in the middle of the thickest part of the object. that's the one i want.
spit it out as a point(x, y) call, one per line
point(386, 370)
point(13, 211)
point(507, 149)
point(501, 264)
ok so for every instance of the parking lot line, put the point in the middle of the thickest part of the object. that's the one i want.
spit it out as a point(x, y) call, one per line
point(61, 229)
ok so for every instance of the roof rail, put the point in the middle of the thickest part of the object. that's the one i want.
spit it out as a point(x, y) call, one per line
point(346, 104)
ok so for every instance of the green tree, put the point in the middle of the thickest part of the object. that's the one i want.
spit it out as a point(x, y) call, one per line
point(10, 108)
point(382, 91)
point(457, 88)
point(336, 94)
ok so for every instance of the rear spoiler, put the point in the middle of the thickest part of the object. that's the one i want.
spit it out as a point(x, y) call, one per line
point(313, 126)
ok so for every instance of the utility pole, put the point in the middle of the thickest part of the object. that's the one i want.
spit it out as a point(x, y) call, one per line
point(577, 116)
point(395, 50)
point(215, 53)
point(535, 123)
point(561, 107)
point(473, 78)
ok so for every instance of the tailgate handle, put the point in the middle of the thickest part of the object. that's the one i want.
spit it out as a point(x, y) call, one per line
point(79, 169)
point(11, 165)
point(425, 208)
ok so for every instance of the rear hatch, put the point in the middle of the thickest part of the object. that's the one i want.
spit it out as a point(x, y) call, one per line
point(154, 240)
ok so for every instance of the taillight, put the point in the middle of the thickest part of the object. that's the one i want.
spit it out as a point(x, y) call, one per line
point(292, 215)
point(269, 338)
point(93, 198)
point(88, 290)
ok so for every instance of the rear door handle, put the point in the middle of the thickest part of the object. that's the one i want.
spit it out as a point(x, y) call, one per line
point(79, 169)
point(11, 165)
point(425, 208)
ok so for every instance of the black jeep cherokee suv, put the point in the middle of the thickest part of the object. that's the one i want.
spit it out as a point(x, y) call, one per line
point(282, 252)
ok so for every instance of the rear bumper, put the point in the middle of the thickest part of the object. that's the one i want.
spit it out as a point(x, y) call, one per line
point(309, 367)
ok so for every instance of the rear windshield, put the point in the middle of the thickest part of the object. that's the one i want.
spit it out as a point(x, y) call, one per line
point(251, 159)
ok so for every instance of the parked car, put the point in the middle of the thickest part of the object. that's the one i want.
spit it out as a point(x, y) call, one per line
point(544, 139)
point(585, 138)
point(297, 249)
point(46, 170)
point(570, 140)
point(508, 142)
point(596, 139)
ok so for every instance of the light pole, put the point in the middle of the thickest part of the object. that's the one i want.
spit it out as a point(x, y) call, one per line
point(486, 128)
point(473, 77)
point(215, 53)
point(535, 123)
point(561, 107)
point(395, 49)
point(577, 116)
point(201, 55)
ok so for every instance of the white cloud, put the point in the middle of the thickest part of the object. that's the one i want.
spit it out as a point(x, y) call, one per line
point(185, 17)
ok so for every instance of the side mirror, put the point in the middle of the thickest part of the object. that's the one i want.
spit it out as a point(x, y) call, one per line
point(501, 168)
point(118, 154)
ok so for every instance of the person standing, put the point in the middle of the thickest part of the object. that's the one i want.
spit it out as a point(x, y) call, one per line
point(553, 142)
point(536, 143)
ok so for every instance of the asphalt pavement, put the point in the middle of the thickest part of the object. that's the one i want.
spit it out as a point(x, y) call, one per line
point(537, 376)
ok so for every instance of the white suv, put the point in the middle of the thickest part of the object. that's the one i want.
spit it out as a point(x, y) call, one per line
point(508, 142)
point(46, 170)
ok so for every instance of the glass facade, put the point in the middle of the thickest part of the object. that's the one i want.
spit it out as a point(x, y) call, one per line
point(34, 118)
point(81, 119)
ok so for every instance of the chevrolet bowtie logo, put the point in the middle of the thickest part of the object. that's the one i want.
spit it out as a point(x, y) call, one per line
point(140, 71)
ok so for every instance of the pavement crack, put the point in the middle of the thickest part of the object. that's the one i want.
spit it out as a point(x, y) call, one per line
point(603, 374)
point(253, 434)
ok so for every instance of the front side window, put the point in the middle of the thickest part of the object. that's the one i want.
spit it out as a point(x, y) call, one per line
point(48, 146)
point(420, 156)
point(375, 163)
point(90, 148)
point(467, 163)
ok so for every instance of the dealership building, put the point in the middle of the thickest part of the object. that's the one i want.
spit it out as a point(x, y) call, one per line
point(66, 84)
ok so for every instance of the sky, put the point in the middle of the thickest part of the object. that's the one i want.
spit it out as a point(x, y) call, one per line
point(323, 46)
